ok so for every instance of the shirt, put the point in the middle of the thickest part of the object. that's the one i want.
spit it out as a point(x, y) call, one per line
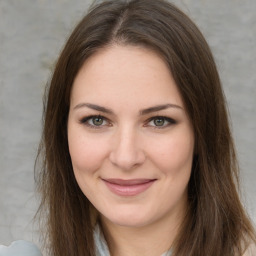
point(102, 247)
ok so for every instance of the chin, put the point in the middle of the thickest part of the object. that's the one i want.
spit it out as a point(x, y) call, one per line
point(133, 219)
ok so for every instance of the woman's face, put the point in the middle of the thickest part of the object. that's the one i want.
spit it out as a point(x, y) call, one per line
point(130, 139)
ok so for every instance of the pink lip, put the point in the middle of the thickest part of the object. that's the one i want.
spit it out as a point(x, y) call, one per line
point(128, 187)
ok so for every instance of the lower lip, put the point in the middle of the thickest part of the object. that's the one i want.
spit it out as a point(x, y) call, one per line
point(128, 190)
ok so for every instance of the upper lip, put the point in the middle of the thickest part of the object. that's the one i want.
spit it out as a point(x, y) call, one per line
point(130, 182)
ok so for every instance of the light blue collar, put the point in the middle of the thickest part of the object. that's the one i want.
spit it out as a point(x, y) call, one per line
point(100, 243)
point(102, 247)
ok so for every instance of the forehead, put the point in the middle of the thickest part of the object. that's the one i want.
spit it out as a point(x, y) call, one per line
point(130, 73)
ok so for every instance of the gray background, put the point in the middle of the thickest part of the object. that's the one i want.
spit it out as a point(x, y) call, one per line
point(32, 32)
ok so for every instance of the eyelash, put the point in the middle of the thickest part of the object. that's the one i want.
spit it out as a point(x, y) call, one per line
point(167, 122)
point(86, 120)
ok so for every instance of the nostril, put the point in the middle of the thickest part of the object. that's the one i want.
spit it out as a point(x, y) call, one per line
point(127, 160)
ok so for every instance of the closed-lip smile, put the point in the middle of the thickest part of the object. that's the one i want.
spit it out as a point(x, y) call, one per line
point(131, 187)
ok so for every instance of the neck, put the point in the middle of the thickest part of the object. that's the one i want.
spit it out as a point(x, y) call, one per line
point(149, 240)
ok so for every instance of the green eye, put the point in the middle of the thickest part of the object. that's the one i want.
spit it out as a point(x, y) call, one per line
point(97, 121)
point(159, 121)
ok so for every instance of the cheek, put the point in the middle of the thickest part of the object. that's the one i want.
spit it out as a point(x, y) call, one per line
point(174, 154)
point(87, 153)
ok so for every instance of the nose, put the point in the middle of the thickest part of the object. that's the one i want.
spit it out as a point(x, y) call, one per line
point(126, 151)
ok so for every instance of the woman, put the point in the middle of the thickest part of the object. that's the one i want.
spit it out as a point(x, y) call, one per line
point(138, 157)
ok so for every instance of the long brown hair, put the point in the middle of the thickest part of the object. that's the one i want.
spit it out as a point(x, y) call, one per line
point(216, 224)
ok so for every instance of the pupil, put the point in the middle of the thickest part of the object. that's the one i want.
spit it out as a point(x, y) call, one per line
point(97, 121)
point(159, 122)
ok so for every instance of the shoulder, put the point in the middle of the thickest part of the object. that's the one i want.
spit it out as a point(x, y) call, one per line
point(251, 250)
point(20, 248)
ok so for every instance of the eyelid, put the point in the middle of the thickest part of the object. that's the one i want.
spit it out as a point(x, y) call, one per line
point(170, 121)
point(85, 120)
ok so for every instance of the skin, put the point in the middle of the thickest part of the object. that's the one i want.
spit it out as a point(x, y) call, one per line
point(129, 142)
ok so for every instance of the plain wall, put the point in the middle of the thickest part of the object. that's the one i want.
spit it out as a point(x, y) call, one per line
point(32, 33)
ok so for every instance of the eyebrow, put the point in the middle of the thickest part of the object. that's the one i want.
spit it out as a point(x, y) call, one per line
point(158, 108)
point(142, 112)
point(95, 107)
